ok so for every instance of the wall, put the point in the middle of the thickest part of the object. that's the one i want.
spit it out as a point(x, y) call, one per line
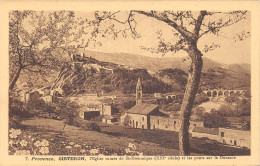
point(235, 137)
point(141, 119)
point(105, 110)
point(164, 123)
point(171, 124)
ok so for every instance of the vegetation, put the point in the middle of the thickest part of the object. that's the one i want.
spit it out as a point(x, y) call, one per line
point(93, 81)
point(50, 34)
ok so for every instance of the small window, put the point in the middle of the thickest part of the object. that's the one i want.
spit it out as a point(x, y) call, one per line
point(222, 134)
point(130, 122)
point(235, 142)
point(231, 141)
point(158, 121)
point(194, 125)
point(174, 123)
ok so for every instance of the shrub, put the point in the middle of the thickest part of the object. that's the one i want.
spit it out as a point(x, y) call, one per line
point(93, 127)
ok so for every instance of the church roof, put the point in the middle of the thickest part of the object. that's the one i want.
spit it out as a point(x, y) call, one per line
point(142, 109)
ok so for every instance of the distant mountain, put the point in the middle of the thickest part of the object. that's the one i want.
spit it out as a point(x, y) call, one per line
point(241, 68)
point(156, 64)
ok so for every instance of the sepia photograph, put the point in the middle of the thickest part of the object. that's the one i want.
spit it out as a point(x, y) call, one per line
point(83, 85)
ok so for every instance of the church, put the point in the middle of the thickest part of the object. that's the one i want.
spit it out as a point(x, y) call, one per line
point(148, 116)
point(139, 115)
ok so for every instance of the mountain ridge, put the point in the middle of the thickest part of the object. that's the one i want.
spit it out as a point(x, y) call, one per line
point(155, 64)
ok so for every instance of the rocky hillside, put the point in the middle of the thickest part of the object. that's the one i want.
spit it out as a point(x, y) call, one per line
point(96, 77)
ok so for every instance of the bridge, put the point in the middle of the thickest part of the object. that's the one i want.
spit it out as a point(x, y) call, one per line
point(223, 93)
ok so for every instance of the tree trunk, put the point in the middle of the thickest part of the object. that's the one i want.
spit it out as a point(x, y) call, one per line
point(13, 82)
point(189, 97)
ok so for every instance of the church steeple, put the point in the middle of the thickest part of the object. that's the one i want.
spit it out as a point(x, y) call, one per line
point(139, 92)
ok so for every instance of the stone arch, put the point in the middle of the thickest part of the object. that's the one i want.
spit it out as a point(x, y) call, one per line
point(214, 93)
point(209, 93)
point(232, 93)
point(173, 97)
point(220, 93)
point(226, 93)
point(238, 93)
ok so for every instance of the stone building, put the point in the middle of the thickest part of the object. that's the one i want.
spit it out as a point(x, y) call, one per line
point(109, 119)
point(139, 92)
point(139, 115)
point(164, 122)
point(148, 116)
point(174, 97)
point(201, 132)
point(234, 137)
point(158, 95)
point(107, 110)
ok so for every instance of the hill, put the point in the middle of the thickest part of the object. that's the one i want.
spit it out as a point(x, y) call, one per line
point(106, 77)
point(213, 78)
point(155, 64)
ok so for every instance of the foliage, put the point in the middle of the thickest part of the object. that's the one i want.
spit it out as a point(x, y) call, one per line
point(172, 107)
point(177, 77)
point(38, 40)
point(123, 80)
point(214, 119)
point(17, 112)
point(92, 127)
point(220, 78)
point(129, 104)
point(232, 98)
point(199, 111)
point(67, 110)
point(30, 143)
point(201, 98)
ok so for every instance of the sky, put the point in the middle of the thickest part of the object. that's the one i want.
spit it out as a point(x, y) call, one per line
point(230, 52)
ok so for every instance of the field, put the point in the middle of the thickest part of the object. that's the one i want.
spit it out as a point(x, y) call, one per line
point(115, 139)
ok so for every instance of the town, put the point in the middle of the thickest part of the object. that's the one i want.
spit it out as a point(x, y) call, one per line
point(145, 114)
point(124, 83)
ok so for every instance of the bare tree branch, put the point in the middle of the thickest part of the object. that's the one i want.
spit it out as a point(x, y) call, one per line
point(180, 29)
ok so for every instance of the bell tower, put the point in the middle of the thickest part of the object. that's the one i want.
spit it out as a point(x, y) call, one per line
point(139, 92)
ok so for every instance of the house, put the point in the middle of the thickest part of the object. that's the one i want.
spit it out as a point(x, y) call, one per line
point(173, 97)
point(107, 110)
point(165, 122)
point(109, 119)
point(234, 137)
point(158, 95)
